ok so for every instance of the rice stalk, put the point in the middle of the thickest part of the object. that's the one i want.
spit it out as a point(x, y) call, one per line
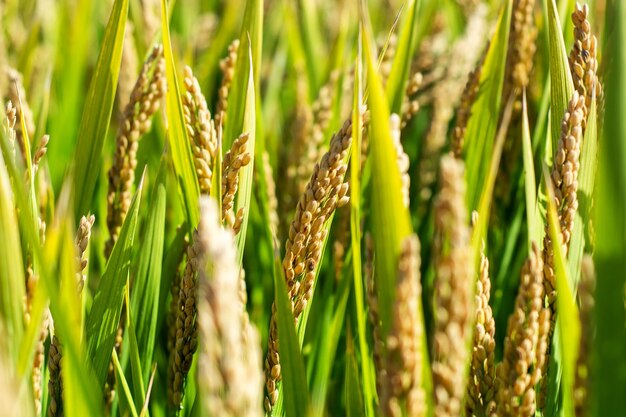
point(227, 65)
point(234, 160)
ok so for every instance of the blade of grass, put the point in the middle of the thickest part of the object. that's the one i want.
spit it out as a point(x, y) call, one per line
point(369, 388)
point(178, 139)
point(390, 218)
point(483, 122)
point(245, 174)
point(104, 317)
point(97, 110)
point(610, 221)
point(407, 42)
point(354, 398)
point(126, 399)
point(250, 41)
point(147, 284)
point(12, 282)
point(136, 369)
point(530, 185)
point(561, 84)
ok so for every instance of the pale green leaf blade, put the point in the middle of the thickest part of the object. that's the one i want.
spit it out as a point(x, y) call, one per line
point(104, 317)
point(407, 43)
point(561, 84)
point(530, 185)
point(177, 136)
point(567, 317)
point(245, 174)
point(390, 218)
point(483, 122)
point(97, 111)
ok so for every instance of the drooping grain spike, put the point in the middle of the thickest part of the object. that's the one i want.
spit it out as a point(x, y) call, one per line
point(136, 121)
point(55, 353)
point(525, 344)
point(227, 65)
point(453, 293)
point(128, 68)
point(325, 192)
point(480, 399)
point(521, 50)
point(229, 363)
point(464, 111)
point(583, 61)
point(201, 131)
point(402, 392)
point(234, 160)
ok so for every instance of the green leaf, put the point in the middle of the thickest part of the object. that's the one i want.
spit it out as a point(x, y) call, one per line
point(245, 174)
point(135, 360)
point(390, 218)
point(483, 122)
point(369, 386)
point(147, 284)
point(126, 399)
point(567, 317)
point(11, 266)
point(354, 399)
point(104, 316)
point(610, 222)
point(561, 84)
point(533, 219)
point(94, 123)
point(295, 390)
point(250, 42)
point(178, 139)
point(396, 83)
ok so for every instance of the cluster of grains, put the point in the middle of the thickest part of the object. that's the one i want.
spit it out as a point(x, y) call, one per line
point(272, 201)
point(310, 127)
point(42, 149)
point(128, 67)
point(401, 388)
point(525, 344)
point(229, 363)
point(144, 102)
point(458, 63)
point(586, 296)
point(481, 385)
point(372, 312)
point(402, 157)
point(55, 353)
point(227, 65)
point(521, 50)
point(9, 128)
point(465, 107)
point(583, 62)
point(410, 103)
point(565, 184)
point(175, 292)
point(17, 95)
point(185, 340)
point(325, 192)
point(234, 160)
point(201, 131)
point(38, 362)
point(453, 295)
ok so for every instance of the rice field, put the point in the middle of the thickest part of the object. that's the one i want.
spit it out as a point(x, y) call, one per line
point(313, 208)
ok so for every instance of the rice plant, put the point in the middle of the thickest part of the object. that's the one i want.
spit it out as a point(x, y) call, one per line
point(313, 208)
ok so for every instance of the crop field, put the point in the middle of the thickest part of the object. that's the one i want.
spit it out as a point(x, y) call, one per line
point(312, 208)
